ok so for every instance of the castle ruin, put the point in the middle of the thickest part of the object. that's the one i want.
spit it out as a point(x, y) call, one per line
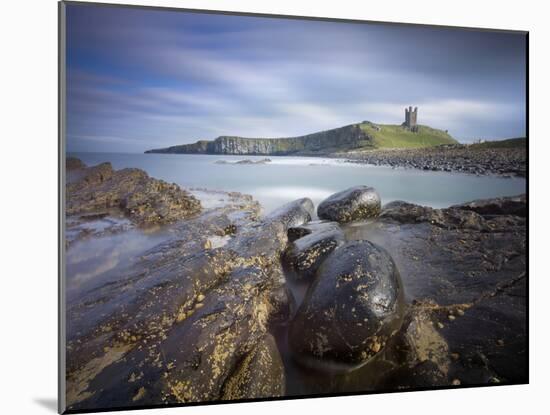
point(410, 118)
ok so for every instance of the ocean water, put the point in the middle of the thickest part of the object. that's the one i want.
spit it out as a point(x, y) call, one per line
point(288, 178)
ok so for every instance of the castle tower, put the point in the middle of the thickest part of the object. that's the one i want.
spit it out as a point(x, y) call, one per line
point(410, 118)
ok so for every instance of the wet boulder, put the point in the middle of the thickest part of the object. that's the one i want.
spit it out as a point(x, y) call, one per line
point(283, 304)
point(260, 374)
point(293, 214)
point(310, 227)
point(306, 254)
point(404, 212)
point(450, 218)
point(513, 205)
point(351, 311)
point(355, 203)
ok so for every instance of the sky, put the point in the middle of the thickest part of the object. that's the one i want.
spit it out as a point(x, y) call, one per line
point(146, 78)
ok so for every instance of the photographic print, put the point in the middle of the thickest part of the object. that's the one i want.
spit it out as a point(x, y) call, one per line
point(259, 207)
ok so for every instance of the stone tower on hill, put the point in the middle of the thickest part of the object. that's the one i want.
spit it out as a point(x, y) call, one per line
point(410, 118)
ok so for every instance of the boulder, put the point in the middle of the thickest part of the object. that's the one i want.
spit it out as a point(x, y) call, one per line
point(284, 305)
point(404, 212)
point(306, 254)
point(355, 203)
point(449, 218)
point(351, 310)
point(310, 227)
point(143, 199)
point(261, 374)
point(98, 174)
point(513, 205)
point(292, 214)
point(73, 163)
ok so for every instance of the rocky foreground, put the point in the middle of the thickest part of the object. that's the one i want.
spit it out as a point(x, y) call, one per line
point(452, 158)
point(238, 306)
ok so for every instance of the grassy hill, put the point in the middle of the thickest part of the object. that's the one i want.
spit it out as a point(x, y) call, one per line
point(395, 136)
point(508, 143)
point(360, 136)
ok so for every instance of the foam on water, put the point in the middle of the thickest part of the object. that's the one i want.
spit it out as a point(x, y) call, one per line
point(288, 178)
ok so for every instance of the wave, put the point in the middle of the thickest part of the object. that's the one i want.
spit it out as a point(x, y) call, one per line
point(291, 192)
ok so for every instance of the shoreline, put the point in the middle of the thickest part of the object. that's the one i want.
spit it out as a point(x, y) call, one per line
point(501, 162)
point(218, 310)
point(476, 159)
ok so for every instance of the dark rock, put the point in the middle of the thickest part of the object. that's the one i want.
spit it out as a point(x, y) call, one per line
point(404, 212)
point(514, 205)
point(466, 283)
point(307, 253)
point(472, 159)
point(292, 214)
point(355, 203)
point(351, 310)
point(310, 227)
point(143, 199)
point(451, 218)
point(184, 323)
point(284, 305)
point(95, 175)
point(73, 163)
point(424, 374)
point(189, 322)
point(420, 355)
point(259, 375)
point(248, 161)
point(245, 161)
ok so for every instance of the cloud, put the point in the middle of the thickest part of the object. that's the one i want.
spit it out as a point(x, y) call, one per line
point(139, 80)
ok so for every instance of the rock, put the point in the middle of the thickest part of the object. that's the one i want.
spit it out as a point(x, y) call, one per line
point(310, 227)
point(248, 161)
point(420, 352)
point(141, 198)
point(404, 212)
point(351, 310)
point(73, 163)
point(94, 175)
point(424, 374)
point(245, 161)
point(307, 253)
point(355, 203)
point(284, 305)
point(504, 161)
point(514, 205)
point(465, 278)
point(450, 218)
point(323, 142)
point(261, 374)
point(184, 323)
point(292, 214)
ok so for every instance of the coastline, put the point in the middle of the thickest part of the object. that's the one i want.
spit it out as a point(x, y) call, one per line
point(232, 284)
point(460, 158)
point(505, 162)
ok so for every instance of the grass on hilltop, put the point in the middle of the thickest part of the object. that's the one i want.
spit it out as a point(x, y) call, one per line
point(508, 143)
point(396, 136)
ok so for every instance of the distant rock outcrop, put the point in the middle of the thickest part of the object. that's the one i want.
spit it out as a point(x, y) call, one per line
point(143, 199)
point(324, 142)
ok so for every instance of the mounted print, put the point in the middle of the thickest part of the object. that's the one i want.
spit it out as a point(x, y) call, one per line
point(256, 207)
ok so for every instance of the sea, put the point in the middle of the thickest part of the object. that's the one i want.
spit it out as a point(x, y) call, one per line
point(284, 179)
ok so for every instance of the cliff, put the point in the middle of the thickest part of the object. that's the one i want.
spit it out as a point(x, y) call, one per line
point(350, 137)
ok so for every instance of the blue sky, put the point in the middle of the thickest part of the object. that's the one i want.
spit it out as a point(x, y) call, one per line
point(144, 78)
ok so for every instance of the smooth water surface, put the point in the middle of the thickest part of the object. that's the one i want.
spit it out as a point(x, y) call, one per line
point(288, 178)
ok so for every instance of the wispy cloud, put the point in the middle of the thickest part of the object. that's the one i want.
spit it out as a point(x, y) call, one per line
point(140, 79)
